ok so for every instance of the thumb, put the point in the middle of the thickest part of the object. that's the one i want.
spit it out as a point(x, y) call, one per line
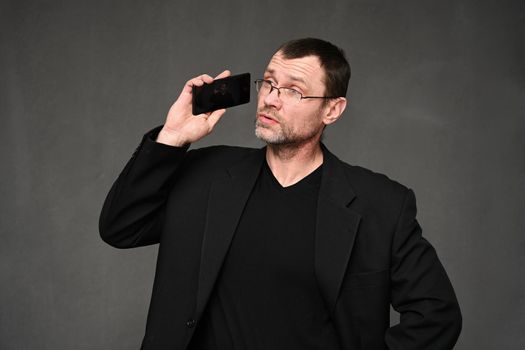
point(215, 116)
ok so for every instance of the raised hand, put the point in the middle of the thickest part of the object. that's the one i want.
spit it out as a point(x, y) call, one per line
point(181, 126)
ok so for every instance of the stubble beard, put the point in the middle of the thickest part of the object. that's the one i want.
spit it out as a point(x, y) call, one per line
point(275, 138)
point(280, 136)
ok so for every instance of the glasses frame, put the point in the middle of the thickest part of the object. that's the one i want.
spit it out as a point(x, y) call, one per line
point(273, 87)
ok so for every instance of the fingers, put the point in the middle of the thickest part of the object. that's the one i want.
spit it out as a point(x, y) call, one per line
point(205, 79)
point(186, 94)
point(224, 74)
point(198, 81)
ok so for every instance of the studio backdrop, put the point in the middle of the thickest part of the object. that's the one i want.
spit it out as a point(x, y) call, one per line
point(436, 102)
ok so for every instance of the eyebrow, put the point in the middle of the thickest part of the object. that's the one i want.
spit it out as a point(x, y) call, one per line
point(292, 77)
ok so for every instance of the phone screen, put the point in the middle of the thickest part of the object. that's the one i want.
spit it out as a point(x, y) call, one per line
point(222, 93)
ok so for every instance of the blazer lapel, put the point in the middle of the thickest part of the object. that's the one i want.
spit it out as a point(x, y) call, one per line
point(336, 228)
point(228, 196)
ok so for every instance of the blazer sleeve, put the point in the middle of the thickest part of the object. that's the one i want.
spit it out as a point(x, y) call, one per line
point(133, 211)
point(421, 292)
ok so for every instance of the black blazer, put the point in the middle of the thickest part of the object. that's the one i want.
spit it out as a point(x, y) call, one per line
point(369, 252)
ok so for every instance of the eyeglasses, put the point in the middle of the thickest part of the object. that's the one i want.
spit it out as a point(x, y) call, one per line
point(287, 95)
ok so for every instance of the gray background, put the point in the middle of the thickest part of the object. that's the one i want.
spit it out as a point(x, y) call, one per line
point(437, 103)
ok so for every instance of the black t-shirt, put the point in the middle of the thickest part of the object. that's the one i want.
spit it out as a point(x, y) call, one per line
point(266, 295)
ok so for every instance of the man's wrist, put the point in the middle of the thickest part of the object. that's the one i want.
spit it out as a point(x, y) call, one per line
point(171, 138)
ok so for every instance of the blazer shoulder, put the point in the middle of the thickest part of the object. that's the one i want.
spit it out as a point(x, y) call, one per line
point(374, 186)
point(208, 160)
point(223, 154)
point(224, 150)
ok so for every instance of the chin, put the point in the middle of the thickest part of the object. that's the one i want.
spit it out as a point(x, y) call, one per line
point(268, 137)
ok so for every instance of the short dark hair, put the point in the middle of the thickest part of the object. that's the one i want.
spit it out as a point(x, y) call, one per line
point(332, 58)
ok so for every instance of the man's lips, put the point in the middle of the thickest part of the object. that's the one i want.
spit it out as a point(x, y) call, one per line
point(267, 118)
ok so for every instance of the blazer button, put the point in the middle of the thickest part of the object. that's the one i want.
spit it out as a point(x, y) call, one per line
point(190, 323)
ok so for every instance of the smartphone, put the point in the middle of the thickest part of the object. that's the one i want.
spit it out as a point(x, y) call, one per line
point(222, 93)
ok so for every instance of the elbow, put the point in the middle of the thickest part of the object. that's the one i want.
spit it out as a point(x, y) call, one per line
point(123, 234)
point(112, 235)
point(109, 236)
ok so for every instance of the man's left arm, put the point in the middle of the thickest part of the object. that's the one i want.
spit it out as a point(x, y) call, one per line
point(430, 317)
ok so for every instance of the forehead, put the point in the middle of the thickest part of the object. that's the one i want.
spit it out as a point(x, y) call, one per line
point(306, 70)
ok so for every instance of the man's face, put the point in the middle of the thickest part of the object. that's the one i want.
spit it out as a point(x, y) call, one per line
point(280, 123)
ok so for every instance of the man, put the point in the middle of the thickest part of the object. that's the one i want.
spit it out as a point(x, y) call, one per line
point(285, 247)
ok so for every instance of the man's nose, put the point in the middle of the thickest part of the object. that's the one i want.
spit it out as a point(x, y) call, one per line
point(272, 99)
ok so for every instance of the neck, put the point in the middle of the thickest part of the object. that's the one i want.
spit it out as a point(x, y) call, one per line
point(291, 163)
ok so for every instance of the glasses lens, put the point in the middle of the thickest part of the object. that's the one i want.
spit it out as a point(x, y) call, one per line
point(290, 96)
point(262, 86)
